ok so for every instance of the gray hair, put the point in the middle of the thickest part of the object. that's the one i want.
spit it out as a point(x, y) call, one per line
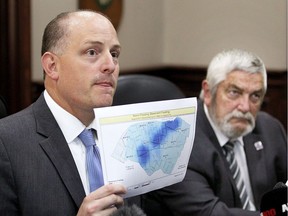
point(229, 61)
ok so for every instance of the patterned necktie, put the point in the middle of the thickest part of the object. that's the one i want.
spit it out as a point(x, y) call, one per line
point(93, 160)
point(235, 170)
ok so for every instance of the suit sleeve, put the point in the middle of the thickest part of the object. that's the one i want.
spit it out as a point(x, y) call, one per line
point(194, 196)
point(273, 132)
point(8, 197)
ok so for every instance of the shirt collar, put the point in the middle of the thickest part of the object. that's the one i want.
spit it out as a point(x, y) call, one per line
point(70, 126)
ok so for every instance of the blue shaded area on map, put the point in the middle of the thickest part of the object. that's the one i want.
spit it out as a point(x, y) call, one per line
point(154, 145)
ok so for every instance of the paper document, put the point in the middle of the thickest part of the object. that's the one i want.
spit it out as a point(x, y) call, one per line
point(146, 146)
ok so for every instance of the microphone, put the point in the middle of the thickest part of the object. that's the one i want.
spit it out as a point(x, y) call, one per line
point(133, 210)
point(274, 202)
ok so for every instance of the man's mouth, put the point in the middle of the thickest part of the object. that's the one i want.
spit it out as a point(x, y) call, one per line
point(240, 120)
point(106, 84)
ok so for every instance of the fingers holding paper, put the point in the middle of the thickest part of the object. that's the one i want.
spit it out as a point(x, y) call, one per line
point(103, 201)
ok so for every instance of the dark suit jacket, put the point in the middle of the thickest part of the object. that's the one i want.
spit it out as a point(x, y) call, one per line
point(38, 175)
point(208, 187)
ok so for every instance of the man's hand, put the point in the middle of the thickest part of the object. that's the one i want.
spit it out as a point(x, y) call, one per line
point(103, 201)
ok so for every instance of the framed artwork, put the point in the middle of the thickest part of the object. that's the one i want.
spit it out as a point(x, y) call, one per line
point(111, 8)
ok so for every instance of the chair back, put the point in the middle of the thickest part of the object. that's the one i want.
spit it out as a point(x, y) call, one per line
point(137, 88)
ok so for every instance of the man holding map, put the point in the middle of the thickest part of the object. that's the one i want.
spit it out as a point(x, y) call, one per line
point(57, 157)
point(42, 159)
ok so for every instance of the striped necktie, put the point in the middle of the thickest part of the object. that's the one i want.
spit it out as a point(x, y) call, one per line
point(235, 170)
point(93, 160)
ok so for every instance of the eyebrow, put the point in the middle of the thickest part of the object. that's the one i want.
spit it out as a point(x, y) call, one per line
point(261, 90)
point(115, 46)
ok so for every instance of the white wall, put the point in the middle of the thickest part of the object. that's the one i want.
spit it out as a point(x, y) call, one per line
point(42, 11)
point(141, 34)
point(185, 33)
point(198, 29)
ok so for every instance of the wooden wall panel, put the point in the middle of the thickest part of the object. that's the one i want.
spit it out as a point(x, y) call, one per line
point(189, 80)
point(15, 72)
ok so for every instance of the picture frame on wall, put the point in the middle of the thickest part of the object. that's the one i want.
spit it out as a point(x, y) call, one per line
point(111, 8)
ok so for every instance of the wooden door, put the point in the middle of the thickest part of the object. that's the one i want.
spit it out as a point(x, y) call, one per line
point(15, 54)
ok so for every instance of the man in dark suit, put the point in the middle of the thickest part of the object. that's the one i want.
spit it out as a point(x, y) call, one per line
point(228, 111)
point(42, 160)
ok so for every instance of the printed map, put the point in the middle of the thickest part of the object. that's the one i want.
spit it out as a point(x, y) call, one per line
point(155, 145)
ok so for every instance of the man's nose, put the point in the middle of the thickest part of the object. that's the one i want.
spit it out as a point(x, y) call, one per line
point(244, 104)
point(108, 64)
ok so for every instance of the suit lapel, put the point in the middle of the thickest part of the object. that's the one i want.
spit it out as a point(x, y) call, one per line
point(205, 125)
point(253, 146)
point(254, 156)
point(57, 150)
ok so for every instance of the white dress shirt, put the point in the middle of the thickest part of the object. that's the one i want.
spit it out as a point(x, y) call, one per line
point(239, 155)
point(71, 127)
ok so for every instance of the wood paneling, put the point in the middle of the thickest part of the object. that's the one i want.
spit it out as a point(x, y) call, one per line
point(189, 80)
point(15, 73)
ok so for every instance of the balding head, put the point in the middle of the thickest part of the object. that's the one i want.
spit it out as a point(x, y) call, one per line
point(58, 29)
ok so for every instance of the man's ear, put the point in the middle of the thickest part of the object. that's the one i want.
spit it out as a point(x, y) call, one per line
point(206, 92)
point(49, 64)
